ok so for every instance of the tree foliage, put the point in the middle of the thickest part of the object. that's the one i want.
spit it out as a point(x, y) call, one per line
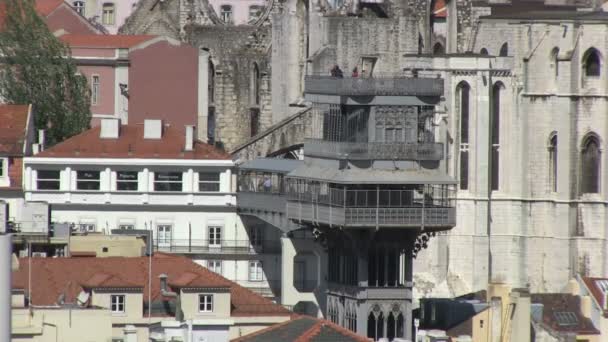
point(38, 69)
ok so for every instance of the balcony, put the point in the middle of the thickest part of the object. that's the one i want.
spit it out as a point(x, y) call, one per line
point(373, 150)
point(373, 208)
point(373, 86)
point(401, 292)
point(232, 247)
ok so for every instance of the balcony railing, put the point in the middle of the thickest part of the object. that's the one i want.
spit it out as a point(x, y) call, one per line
point(373, 150)
point(341, 207)
point(223, 247)
point(396, 85)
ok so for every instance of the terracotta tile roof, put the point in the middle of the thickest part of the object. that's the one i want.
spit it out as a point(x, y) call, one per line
point(303, 329)
point(131, 144)
point(104, 280)
point(13, 130)
point(52, 277)
point(562, 313)
point(598, 287)
point(111, 41)
point(440, 9)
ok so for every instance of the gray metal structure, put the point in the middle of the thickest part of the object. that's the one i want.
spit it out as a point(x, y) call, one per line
point(373, 189)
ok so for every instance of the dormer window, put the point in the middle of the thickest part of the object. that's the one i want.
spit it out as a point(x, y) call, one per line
point(117, 304)
point(205, 303)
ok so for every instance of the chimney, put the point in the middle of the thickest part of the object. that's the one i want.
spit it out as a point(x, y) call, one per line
point(189, 146)
point(586, 306)
point(110, 129)
point(153, 129)
point(41, 140)
point(164, 290)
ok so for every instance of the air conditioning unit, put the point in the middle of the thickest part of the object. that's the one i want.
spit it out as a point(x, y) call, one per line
point(23, 254)
point(39, 254)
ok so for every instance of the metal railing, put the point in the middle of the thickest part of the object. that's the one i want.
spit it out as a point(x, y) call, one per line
point(391, 85)
point(373, 150)
point(372, 198)
point(218, 247)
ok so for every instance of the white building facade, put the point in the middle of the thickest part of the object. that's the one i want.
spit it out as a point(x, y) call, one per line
point(153, 177)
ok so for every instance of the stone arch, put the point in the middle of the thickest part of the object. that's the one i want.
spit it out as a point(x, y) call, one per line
point(504, 50)
point(554, 63)
point(484, 52)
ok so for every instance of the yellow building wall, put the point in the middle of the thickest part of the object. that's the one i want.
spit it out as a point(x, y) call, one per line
point(221, 305)
point(133, 305)
point(117, 245)
point(481, 326)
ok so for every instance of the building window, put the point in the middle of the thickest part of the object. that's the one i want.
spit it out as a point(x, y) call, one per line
point(78, 7)
point(226, 14)
point(504, 50)
point(255, 271)
point(483, 52)
point(495, 135)
point(109, 12)
point(117, 303)
point(163, 234)
point(168, 181)
point(126, 226)
point(215, 236)
point(211, 83)
point(555, 61)
point(553, 162)
point(255, 12)
point(3, 165)
point(255, 85)
point(211, 109)
point(463, 96)
point(86, 227)
point(126, 180)
point(87, 180)
point(205, 303)
point(390, 128)
point(590, 159)
point(209, 181)
point(254, 117)
point(591, 62)
point(95, 89)
point(438, 49)
point(215, 266)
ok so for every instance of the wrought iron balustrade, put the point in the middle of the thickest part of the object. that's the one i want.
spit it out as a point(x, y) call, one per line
point(373, 150)
point(217, 247)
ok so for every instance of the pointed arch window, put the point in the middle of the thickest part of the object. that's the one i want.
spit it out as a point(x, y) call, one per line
point(438, 49)
point(483, 51)
point(590, 163)
point(211, 104)
point(592, 62)
point(495, 135)
point(504, 50)
point(255, 85)
point(553, 162)
point(554, 61)
point(463, 107)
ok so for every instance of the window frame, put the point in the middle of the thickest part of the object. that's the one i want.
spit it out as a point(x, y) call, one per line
point(596, 187)
point(205, 301)
point(79, 7)
point(258, 271)
point(465, 127)
point(215, 266)
point(588, 71)
point(108, 13)
point(259, 11)
point(227, 14)
point(83, 181)
point(166, 228)
point(208, 182)
point(214, 233)
point(117, 300)
point(168, 182)
point(95, 89)
point(128, 181)
point(3, 167)
point(553, 160)
point(48, 180)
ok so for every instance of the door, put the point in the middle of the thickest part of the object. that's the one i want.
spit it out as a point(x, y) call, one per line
point(215, 236)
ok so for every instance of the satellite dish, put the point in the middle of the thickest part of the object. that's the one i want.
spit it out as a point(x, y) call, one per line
point(83, 298)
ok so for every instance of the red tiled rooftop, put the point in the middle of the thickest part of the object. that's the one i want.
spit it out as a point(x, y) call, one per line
point(131, 144)
point(112, 41)
point(557, 303)
point(302, 328)
point(43, 8)
point(13, 129)
point(52, 277)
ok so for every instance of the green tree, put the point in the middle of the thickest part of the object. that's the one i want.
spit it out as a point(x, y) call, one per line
point(38, 69)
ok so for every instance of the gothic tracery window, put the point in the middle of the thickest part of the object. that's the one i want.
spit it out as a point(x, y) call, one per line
point(463, 96)
point(592, 62)
point(553, 162)
point(590, 164)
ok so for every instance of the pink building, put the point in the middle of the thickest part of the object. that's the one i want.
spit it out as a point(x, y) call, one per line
point(111, 14)
point(138, 77)
point(238, 12)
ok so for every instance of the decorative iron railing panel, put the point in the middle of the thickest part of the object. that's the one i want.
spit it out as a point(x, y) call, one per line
point(369, 86)
point(373, 150)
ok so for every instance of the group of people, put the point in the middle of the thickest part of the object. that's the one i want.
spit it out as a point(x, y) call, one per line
point(338, 73)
